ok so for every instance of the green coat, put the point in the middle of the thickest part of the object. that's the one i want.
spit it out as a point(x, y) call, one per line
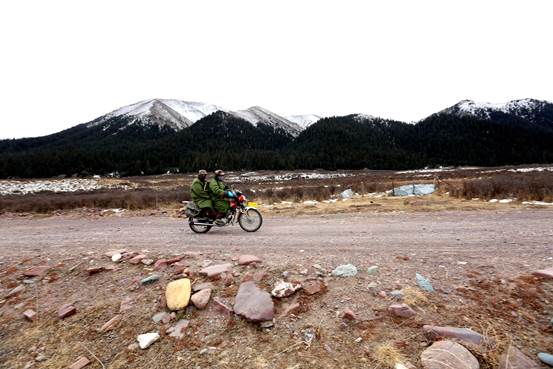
point(200, 194)
point(217, 189)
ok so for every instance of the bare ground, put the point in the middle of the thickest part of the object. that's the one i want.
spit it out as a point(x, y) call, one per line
point(478, 261)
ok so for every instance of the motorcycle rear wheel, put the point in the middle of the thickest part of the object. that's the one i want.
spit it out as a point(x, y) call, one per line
point(251, 220)
point(197, 228)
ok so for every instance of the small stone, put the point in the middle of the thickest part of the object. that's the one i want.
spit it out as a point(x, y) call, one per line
point(80, 363)
point(116, 258)
point(110, 324)
point(397, 294)
point(137, 259)
point(30, 315)
point(147, 339)
point(448, 354)
point(111, 253)
point(15, 291)
point(313, 286)
point(160, 264)
point(382, 294)
point(285, 289)
point(151, 279)
point(201, 298)
point(162, 317)
point(253, 303)
point(402, 310)
point(177, 294)
point(66, 311)
point(214, 271)
point(147, 261)
point(248, 259)
point(544, 273)
point(267, 324)
point(358, 339)
point(40, 357)
point(222, 307)
point(372, 270)
point(546, 358)
point(37, 271)
point(177, 331)
point(196, 287)
point(513, 358)
point(94, 270)
point(463, 334)
point(346, 270)
point(132, 346)
point(424, 283)
point(348, 314)
point(309, 336)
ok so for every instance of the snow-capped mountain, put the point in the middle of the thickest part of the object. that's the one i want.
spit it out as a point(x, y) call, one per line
point(257, 114)
point(168, 113)
point(523, 108)
point(303, 121)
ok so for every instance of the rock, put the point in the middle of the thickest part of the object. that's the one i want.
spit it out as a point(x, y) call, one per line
point(137, 259)
point(348, 314)
point(372, 269)
point(293, 308)
point(424, 283)
point(448, 355)
point(463, 334)
point(196, 287)
point(162, 317)
point(160, 264)
point(177, 294)
point(248, 259)
point(37, 271)
point(126, 304)
point(132, 346)
point(40, 357)
point(147, 261)
point(256, 276)
point(346, 270)
point(402, 310)
point(94, 270)
point(397, 294)
point(200, 299)
point(177, 331)
point(513, 358)
point(222, 307)
point(253, 303)
point(546, 358)
point(80, 363)
point(30, 315)
point(15, 291)
point(174, 260)
point(267, 324)
point(544, 273)
point(66, 311)
point(309, 336)
point(214, 271)
point(285, 289)
point(111, 253)
point(116, 258)
point(110, 324)
point(347, 194)
point(145, 340)
point(313, 286)
point(151, 279)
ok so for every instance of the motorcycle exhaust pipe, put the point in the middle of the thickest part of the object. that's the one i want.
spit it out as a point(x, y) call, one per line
point(202, 224)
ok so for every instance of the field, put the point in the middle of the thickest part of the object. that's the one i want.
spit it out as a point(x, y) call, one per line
point(478, 239)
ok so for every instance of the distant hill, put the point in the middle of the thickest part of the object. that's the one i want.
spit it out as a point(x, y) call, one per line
point(157, 135)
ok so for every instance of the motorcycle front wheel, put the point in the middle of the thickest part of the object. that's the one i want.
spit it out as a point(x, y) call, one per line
point(251, 220)
point(197, 228)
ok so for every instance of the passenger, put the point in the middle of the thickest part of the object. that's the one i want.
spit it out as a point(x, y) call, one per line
point(201, 195)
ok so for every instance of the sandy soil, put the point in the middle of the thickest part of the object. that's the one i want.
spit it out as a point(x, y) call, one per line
point(478, 261)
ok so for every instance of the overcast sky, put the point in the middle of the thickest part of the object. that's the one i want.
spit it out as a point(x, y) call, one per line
point(68, 62)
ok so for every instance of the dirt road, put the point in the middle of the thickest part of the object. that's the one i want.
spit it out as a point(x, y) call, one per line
point(514, 237)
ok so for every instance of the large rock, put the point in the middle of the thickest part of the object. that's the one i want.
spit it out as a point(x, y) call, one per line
point(448, 355)
point(463, 334)
point(201, 298)
point(546, 358)
point(177, 294)
point(214, 271)
point(345, 270)
point(145, 340)
point(513, 358)
point(253, 303)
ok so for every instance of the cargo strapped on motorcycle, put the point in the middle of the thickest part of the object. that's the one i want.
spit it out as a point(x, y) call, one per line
point(192, 209)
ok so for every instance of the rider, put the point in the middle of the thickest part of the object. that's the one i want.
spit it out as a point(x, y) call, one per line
point(201, 194)
point(220, 191)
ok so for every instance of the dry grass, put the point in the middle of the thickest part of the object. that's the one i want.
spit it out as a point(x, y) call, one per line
point(414, 297)
point(387, 356)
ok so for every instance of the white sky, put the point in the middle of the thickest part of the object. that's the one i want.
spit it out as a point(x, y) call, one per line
point(68, 62)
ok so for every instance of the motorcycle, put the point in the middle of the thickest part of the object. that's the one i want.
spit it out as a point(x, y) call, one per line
point(241, 211)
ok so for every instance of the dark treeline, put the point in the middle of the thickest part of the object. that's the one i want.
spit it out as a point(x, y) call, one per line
point(221, 140)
